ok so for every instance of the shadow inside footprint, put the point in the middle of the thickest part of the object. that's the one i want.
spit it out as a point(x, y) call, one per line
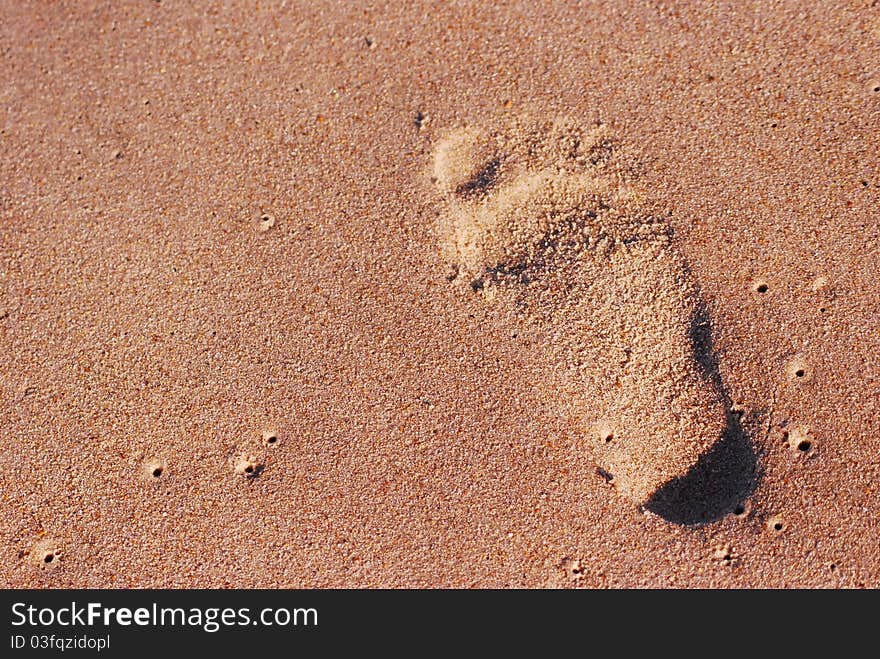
point(482, 180)
point(701, 339)
point(726, 475)
point(723, 478)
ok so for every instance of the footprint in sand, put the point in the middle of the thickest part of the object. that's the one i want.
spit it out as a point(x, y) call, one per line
point(540, 216)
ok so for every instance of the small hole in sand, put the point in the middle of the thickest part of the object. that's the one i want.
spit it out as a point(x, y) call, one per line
point(266, 222)
point(724, 553)
point(775, 524)
point(604, 433)
point(762, 288)
point(153, 469)
point(270, 436)
point(248, 466)
point(798, 369)
point(271, 439)
point(800, 438)
point(573, 568)
point(45, 553)
point(739, 511)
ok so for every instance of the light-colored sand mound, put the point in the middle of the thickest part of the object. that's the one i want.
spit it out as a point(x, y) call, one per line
point(540, 216)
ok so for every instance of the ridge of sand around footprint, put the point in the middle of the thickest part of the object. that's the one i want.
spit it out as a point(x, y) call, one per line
point(539, 215)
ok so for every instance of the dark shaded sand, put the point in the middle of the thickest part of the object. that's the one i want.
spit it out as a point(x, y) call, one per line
point(412, 295)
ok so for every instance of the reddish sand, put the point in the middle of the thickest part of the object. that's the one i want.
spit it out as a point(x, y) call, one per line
point(218, 226)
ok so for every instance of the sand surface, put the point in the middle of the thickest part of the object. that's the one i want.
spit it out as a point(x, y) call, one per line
point(299, 294)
